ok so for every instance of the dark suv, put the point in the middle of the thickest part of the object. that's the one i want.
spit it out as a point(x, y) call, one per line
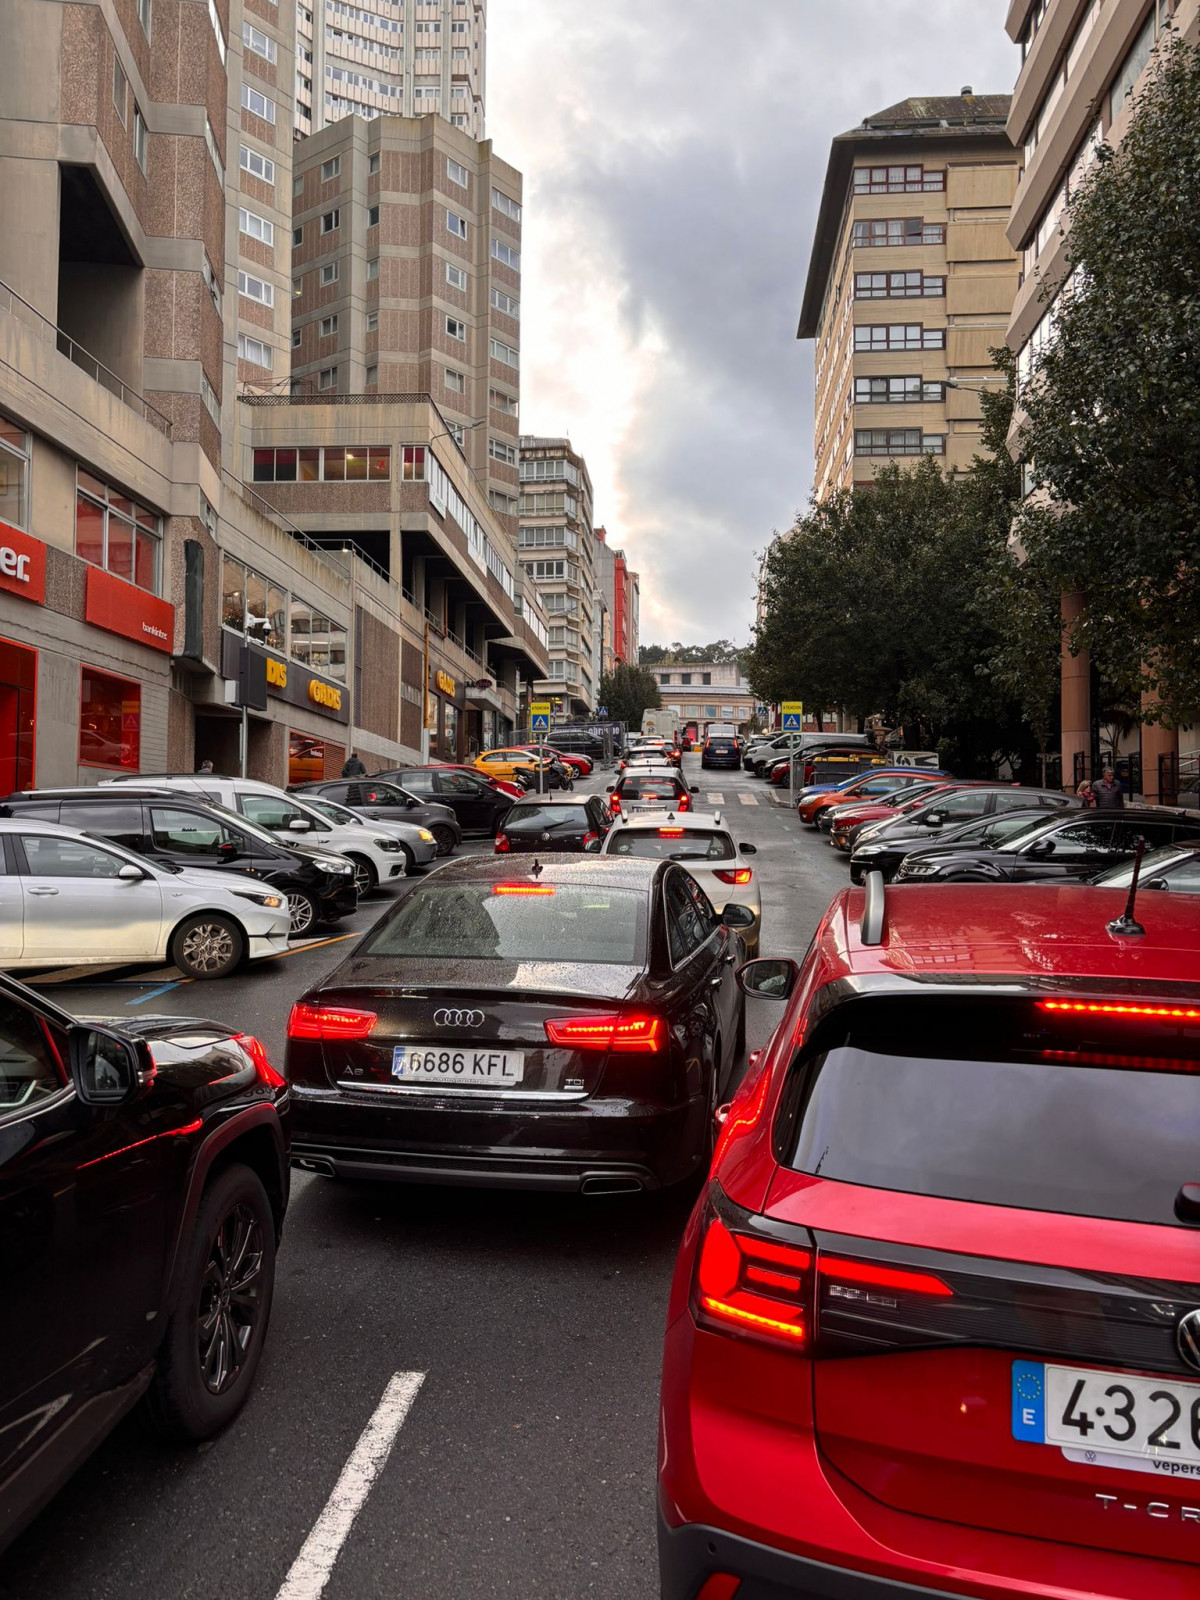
point(143, 1184)
point(554, 825)
point(183, 831)
point(721, 752)
point(388, 802)
point(884, 845)
point(477, 806)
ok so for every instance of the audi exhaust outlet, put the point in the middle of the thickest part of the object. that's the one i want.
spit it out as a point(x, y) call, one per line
point(610, 1183)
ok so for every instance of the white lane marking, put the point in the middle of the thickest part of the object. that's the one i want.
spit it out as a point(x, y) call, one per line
point(311, 1569)
point(716, 799)
point(748, 799)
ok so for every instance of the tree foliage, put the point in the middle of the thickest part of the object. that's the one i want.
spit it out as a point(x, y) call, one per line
point(1112, 425)
point(721, 651)
point(627, 692)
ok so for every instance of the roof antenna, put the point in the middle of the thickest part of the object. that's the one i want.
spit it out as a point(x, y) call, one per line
point(535, 870)
point(871, 930)
point(1126, 925)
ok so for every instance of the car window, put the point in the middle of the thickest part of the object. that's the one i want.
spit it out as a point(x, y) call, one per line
point(997, 830)
point(635, 788)
point(1125, 835)
point(333, 791)
point(30, 1058)
point(269, 810)
point(1080, 838)
point(550, 818)
point(52, 857)
point(514, 922)
point(115, 821)
point(188, 831)
point(672, 844)
point(378, 794)
point(1185, 878)
point(703, 905)
point(686, 931)
point(335, 813)
point(419, 782)
point(967, 803)
point(458, 783)
point(1016, 800)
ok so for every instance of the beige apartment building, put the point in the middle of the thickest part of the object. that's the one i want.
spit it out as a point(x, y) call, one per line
point(558, 553)
point(408, 58)
point(705, 691)
point(910, 282)
point(1081, 62)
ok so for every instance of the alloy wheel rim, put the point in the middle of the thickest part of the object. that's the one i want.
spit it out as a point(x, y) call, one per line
point(362, 877)
point(231, 1296)
point(208, 947)
point(445, 840)
point(301, 913)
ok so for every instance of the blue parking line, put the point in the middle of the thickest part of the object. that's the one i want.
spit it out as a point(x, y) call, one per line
point(154, 993)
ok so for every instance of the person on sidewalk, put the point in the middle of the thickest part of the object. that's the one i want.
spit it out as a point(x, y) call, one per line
point(1108, 792)
point(205, 766)
point(1084, 793)
point(354, 767)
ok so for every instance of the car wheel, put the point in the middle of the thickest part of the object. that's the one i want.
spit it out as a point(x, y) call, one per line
point(444, 835)
point(410, 861)
point(366, 879)
point(303, 912)
point(207, 946)
point(213, 1341)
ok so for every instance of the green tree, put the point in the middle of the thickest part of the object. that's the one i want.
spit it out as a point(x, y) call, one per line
point(1112, 425)
point(721, 651)
point(629, 691)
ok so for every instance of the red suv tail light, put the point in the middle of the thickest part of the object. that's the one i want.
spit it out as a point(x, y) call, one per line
point(620, 1035)
point(752, 1285)
point(734, 874)
point(263, 1069)
point(329, 1022)
point(503, 847)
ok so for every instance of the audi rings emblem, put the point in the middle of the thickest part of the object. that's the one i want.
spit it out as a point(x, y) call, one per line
point(1187, 1338)
point(458, 1019)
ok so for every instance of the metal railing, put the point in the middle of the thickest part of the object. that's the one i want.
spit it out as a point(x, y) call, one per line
point(319, 398)
point(81, 358)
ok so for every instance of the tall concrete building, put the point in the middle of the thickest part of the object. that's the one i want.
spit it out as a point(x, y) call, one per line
point(406, 58)
point(1081, 62)
point(557, 550)
point(627, 611)
point(911, 280)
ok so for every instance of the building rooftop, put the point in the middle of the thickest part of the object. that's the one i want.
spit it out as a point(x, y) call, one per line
point(939, 111)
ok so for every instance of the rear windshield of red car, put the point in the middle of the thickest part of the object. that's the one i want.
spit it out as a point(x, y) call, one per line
point(1002, 1103)
point(633, 788)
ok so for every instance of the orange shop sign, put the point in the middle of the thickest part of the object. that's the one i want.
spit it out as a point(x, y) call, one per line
point(22, 565)
point(120, 607)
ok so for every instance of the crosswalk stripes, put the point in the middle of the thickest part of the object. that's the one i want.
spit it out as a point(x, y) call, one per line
point(715, 799)
point(748, 799)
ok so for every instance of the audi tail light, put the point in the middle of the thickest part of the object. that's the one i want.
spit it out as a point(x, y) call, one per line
point(734, 874)
point(329, 1022)
point(613, 1032)
point(522, 888)
point(263, 1070)
point(503, 846)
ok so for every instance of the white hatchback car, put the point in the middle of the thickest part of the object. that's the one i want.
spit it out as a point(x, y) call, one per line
point(377, 857)
point(70, 899)
point(702, 842)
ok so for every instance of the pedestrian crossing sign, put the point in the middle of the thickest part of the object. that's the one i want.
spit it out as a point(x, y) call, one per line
point(793, 716)
point(539, 716)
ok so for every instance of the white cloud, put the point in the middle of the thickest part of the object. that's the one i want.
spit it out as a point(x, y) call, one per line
point(673, 155)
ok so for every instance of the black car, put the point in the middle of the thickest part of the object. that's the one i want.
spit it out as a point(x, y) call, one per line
point(882, 846)
point(1174, 868)
point(570, 1025)
point(653, 789)
point(1055, 850)
point(478, 807)
point(720, 752)
point(182, 831)
point(579, 741)
point(554, 825)
point(143, 1184)
point(389, 802)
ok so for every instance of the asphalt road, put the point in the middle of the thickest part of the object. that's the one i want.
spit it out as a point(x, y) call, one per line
point(525, 1461)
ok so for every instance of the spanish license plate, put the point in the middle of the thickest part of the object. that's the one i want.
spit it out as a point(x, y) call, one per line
point(1109, 1418)
point(470, 1068)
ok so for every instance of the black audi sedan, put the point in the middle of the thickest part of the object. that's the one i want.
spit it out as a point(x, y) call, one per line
point(143, 1184)
point(568, 1025)
point(1063, 849)
point(554, 825)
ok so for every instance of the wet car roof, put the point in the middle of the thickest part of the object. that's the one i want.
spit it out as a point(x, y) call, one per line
point(623, 872)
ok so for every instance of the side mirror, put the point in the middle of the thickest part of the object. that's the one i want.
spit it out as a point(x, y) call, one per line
point(935, 819)
point(770, 980)
point(695, 789)
point(1042, 847)
point(106, 1069)
point(593, 846)
point(131, 874)
point(721, 1114)
point(735, 916)
point(299, 825)
point(748, 849)
point(612, 789)
point(1157, 883)
point(227, 852)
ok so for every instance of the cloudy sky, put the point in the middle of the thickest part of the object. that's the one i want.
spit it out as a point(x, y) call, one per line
point(673, 153)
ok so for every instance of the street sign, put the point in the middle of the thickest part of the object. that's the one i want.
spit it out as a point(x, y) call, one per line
point(539, 716)
point(603, 713)
point(793, 716)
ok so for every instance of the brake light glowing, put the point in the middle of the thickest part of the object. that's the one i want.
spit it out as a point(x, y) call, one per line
point(685, 802)
point(522, 888)
point(876, 1276)
point(257, 1052)
point(503, 845)
point(1098, 1058)
point(621, 1035)
point(1115, 1008)
point(734, 874)
point(329, 1022)
point(671, 833)
point(614, 802)
point(753, 1285)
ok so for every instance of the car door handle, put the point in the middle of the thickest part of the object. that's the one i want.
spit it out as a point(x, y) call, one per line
point(715, 983)
point(43, 891)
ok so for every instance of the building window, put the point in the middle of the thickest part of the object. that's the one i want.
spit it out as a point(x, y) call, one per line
point(372, 322)
point(455, 276)
point(208, 397)
point(372, 269)
point(317, 642)
point(114, 532)
point(256, 227)
point(331, 168)
point(143, 11)
point(500, 451)
point(373, 164)
point(505, 504)
point(259, 43)
point(456, 173)
point(455, 381)
point(899, 230)
point(14, 474)
point(253, 606)
point(455, 329)
point(328, 464)
point(331, 221)
point(372, 376)
point(120, 91)
point(329, 273)
point(372, 216)
point(258, 166)
point(505, 353)
point(139, 136)
point(296, 338)
point(898, 442)
point(506, 254)
point(254, 351)
point(898, 336)
point(500, 401)
point(210, 139)
point(897, 180)
point(256, 289)
point(298, 235)
point(297, 187)
point(110, 721)
point(887, 391)
point(327, 378)
point(506, 303)
point(329, 326)
point(258, 104)
point(456, 225)
point(457, 120)
point(897, 286)
point(505, 206)
point(413, 463)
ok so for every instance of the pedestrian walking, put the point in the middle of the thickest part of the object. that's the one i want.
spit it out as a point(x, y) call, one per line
point(1108, 792)
point(205, 766)
point(1084, 793)
point(354, 767)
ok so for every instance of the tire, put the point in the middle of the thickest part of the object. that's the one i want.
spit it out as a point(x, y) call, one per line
point(444, 834)
point(366, 879)
point(410, 861)
point(207, 946)
point(204, 1377)
point(303, 911)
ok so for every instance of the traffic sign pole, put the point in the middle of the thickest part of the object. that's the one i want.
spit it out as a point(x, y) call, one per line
point(539, 723)
point(793, 722)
